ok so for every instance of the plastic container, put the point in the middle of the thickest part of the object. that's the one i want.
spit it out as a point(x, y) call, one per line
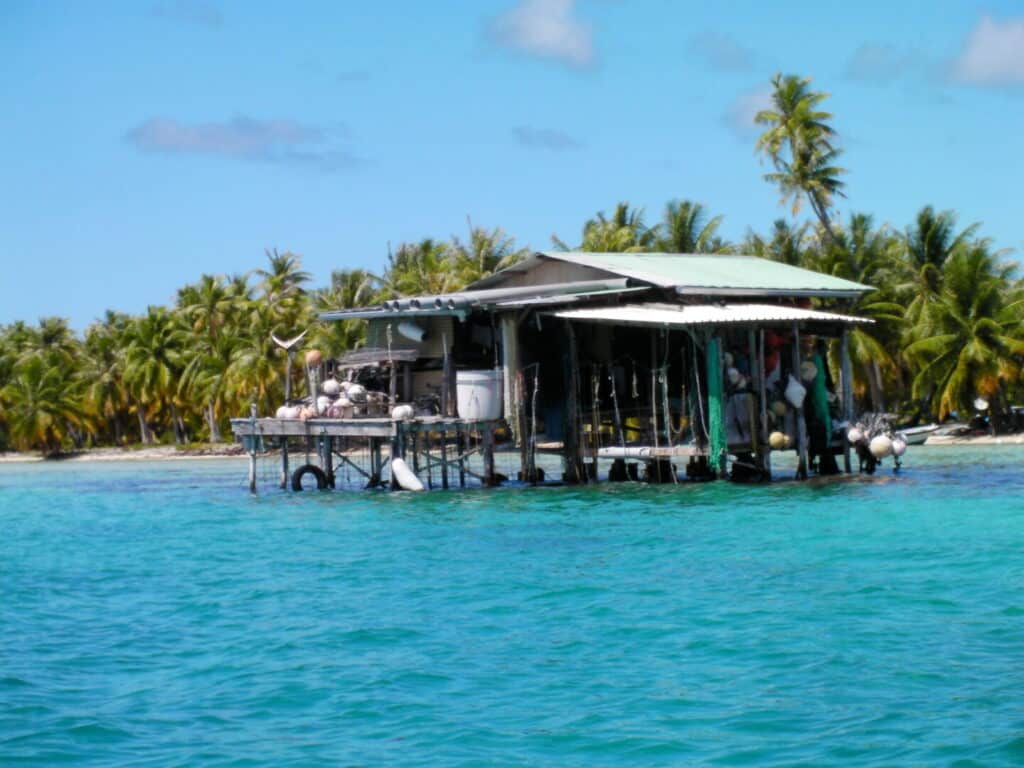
point(478, 394)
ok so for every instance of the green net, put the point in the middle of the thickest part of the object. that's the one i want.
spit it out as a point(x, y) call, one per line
point(820, 397)
point(717, 438)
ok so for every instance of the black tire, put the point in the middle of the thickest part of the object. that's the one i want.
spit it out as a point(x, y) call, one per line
point(306, 469)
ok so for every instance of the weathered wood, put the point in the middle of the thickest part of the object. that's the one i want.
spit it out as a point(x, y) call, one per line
point(397, 452)
point(252, 450)
point(762, 392)
point(801, 423)
point(444, 460)
point(329, 459)
point(573, 458)
point(846, 387)
point(488, 452)
point(460, 446)
point(284, 462)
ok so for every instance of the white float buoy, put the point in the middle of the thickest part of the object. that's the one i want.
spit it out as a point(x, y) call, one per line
point(808, 370)
point(323, 402)
point(734, 375)
point(402, 412)
point(356, 393)
point(899, 446)
point(854, 435)
point(880, 446)
point(331, 387)
point(795, 392)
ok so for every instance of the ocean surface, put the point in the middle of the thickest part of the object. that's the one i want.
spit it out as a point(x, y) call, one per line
point(159, 615)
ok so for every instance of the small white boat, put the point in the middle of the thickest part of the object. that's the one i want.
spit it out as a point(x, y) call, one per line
point(917, 435)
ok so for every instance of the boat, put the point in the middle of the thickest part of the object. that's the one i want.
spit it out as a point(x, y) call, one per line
point(917, 435)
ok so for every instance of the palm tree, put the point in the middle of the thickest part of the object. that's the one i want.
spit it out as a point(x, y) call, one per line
point(41, 405)
point(349, 289)
point(154, 362)
point(800, 144)
point(787, 243)
point(969, 337)
point(486, 251)
point(419, 269)
point(687, 228)
point(623, 232)
point(281, 289)
point(929, 244)
point(103, 372)
point(866, 254)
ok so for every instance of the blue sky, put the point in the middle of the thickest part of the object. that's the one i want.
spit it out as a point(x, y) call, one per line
point(145, 143)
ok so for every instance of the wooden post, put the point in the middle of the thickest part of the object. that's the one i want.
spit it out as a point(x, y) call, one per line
point(801, 424)
point(755, 432)
point(522, 430)
point(393, 384)
point(460, 447)
point(762, 394)
point(284, 462)
point(252, 448)
point(329, 459)
point(446, 380)
point(654, 399)
point(488, 451)
point(595, 415)
point(846, 385)
point(376, 468)
point(509, 328)
point(426, 455)
point(444, 459)
point(574, 470)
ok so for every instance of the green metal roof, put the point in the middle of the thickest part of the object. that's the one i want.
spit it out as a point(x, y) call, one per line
point(714, 273)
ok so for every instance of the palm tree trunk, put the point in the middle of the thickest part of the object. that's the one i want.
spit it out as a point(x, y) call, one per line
point(211, 418)
point(144, 433)
point(176, 424)
point(822, 215)
point(871, 373)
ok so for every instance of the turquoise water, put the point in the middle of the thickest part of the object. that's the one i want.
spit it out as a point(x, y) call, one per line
point(157, 615)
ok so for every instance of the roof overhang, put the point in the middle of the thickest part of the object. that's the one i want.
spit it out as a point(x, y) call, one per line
point(463, 302)
point(679, 316)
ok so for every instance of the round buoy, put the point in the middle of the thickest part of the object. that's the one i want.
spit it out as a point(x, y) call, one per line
point(313, 357)
point(808, 370)
point(779, 408)
point(777, 441)
point(331, 387)
point(854, 435)
point(880, 446)
point(357, 393)
point(323, 402)
point(402, 412)
point(899, 446)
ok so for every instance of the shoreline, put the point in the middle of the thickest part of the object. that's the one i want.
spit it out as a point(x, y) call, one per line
point(235, 451)
point(153, 453)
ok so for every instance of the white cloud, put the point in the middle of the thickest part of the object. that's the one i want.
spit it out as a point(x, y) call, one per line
point(739, 116)
point(243, 138)
point(876, 63)
point(544, 138)
point(722, 53)
point(548, 29)
point(993, 53)
point(200, 12)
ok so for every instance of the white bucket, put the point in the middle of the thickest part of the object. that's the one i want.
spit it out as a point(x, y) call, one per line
point(478, 394)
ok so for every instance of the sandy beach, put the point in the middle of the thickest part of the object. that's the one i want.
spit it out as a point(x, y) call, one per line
point(152, 453)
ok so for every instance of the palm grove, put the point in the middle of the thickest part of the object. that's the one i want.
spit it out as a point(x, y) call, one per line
point(948, 309)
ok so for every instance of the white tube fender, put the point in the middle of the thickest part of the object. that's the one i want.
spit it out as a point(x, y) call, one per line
point(404, 476)
point(412, 331)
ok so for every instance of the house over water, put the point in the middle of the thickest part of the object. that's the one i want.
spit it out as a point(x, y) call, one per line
point(627, 364)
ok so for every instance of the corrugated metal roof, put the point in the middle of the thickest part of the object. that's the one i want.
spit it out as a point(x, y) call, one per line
point(458, 304)
point(703, 314)
point(711, 274)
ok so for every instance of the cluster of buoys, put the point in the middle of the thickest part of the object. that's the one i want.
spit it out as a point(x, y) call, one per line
point(343, 400)
point(779, 441)
point(877, 439)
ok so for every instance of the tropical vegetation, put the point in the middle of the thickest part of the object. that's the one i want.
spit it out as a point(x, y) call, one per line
point(948, 308)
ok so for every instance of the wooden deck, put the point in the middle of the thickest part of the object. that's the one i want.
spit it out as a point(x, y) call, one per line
point(362, 427)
